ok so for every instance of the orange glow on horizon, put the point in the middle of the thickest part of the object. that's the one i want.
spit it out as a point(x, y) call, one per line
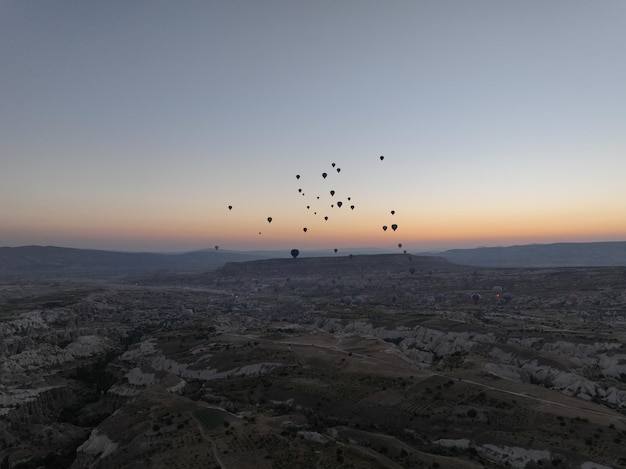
point(172, 230)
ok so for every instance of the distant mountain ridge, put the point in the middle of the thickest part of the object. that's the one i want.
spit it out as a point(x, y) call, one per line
point(597, 254)
point(51, 261)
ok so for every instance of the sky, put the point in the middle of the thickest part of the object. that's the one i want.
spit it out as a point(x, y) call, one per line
point(134, 125)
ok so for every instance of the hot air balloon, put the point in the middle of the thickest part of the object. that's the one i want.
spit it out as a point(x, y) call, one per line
point(269, 219)
point(294, 253)
point(399, 245)
point(339, 204)
point(217, 247)
point(382, 157)
point(475, 298)
point(230, 207)
point(332, 193)
point(338, 170)
point(352, 207)
point(333, 165)
point(304, 229)
point(497, 291)
point(394, 227)
point(335, 250)
point(393, 212)
point(299, 190)
point(326, 218)
point(384, 227)
point(573, 298)
point(297, 176)
point(324, 175)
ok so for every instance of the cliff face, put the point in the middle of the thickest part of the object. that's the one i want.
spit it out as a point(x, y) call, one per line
point(49, 367)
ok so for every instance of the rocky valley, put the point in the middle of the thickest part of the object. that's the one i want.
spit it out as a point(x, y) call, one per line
point(369, 361)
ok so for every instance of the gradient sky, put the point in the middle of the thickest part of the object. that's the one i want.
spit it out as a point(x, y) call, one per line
point(132, 125)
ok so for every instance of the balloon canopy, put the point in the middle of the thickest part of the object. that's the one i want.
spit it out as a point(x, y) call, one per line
point(475, 298)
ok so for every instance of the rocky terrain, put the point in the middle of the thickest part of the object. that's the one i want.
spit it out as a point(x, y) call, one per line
point(349, 361)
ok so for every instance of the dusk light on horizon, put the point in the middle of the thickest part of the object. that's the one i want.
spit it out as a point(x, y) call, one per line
point(175, 126)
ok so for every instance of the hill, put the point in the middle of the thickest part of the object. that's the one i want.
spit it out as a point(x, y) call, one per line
point(372, 264)
point(51, 261)
point(608, 254)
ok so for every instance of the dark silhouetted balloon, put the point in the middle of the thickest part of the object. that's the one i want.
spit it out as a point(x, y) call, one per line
point(338, 170)
point(269, 219)
point(332, 193)
point(352, 207)
point(399, 245)
point(217, 247)
point(304, 229)
point(382, 157)
point(299, 190)
point(308, 207)
point(326, 218)
point(230, 207)
point(475, 298)
point(324, 175)
point(393, 212)
point(335, 249)
point(333, 165)
point(297, 176)
point(384, 227)
point(294, 253)
point(394, 227)
point(348, 198)
point(339, 204)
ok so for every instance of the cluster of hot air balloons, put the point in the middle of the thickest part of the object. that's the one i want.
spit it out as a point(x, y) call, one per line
point(335, 202)
point(332, 192)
